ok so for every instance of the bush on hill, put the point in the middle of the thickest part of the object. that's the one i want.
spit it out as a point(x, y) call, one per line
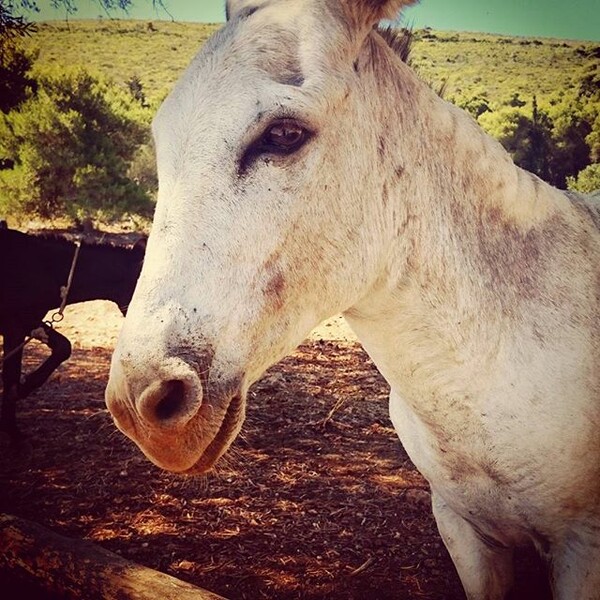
point(72, 143)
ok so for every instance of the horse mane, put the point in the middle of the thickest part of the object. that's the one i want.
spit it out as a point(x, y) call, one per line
point(399, 40)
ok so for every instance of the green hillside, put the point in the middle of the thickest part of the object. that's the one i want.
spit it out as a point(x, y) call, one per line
point(157, 52)
point(500, 66)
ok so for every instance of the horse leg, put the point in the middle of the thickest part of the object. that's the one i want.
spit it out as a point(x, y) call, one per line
point(11, 375)
point(61, 350)
point(485, 570)
point(576, 566)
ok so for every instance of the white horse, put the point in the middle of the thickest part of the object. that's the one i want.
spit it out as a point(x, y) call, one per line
point(305, 171)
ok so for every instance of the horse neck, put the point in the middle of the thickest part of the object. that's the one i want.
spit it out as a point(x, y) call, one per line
point(462, 224)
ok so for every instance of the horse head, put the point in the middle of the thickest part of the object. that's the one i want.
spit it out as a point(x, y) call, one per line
point(271, 217)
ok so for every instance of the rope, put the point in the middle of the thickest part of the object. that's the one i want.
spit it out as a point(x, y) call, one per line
point(38, 333)
point(58, 316)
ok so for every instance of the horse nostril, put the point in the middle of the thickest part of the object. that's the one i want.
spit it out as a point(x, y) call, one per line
point(169, 403)
point(173, 401)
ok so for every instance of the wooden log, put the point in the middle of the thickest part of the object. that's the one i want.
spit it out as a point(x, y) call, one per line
point(76, 569)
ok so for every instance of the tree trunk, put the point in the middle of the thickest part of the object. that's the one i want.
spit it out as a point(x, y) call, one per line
point(76, 569)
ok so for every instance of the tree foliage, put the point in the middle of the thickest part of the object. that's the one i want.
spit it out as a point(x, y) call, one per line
point(12, 21)
point(68, 142)
point(587, 180)
point(64, 168)
point(16, 81)
point(72, 143)
point(556, 142)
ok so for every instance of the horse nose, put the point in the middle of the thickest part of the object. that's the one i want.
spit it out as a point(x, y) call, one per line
point(171, 403)
point(165, 394)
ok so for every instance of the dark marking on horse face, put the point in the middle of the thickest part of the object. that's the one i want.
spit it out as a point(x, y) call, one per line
point(274, 290)
point(244, 13)
point(295, 79)
point(290, 73)
point(276, 53)
point(276, 284)
point(399, 171)
point(247, 12)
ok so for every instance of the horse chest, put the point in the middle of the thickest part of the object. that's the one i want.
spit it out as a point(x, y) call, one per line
point(482, 481)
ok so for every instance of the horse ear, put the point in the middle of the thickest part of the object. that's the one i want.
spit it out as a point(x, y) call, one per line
point(235, 8)
point(362, 15)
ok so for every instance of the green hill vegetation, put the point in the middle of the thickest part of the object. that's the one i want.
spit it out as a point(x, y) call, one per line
point(156, 52)
point(539, 97)
point(496, 67)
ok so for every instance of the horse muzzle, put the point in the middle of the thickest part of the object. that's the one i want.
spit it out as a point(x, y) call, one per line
point(171, 417)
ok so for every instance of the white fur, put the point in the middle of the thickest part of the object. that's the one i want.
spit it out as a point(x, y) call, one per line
point(472, 284)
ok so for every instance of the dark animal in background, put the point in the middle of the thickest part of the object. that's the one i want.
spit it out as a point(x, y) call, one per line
point(32, 271)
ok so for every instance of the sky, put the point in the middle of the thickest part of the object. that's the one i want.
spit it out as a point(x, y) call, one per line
point(572, 19)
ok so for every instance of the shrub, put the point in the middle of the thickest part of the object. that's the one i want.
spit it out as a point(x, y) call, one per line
point(71, 145)
point(16, 83)
point(476, 105)
point(587, 180)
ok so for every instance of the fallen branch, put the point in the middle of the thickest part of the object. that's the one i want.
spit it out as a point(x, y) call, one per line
point(362, 567)
point(336, 407)
point(78, 569)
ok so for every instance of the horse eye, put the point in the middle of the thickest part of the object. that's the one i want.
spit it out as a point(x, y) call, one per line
point(282, 138)
point(285, 136)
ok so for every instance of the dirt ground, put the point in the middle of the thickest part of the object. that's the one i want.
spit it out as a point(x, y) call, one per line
point(316, 500)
